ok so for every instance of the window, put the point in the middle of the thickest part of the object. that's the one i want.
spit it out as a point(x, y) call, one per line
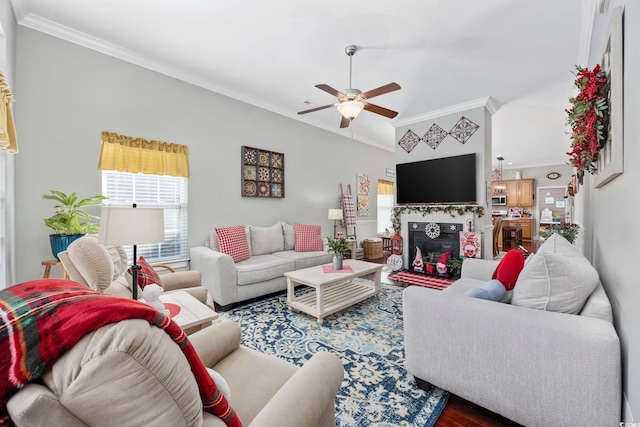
point(385, 205)
point(153, 191)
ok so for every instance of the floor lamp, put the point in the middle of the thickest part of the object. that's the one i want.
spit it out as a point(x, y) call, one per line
point(335, 215)
point(131, 226)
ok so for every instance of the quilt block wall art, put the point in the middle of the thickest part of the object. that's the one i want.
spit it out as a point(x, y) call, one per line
point(262, 173)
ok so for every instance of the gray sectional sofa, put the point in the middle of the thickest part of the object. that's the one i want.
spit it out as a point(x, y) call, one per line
point(272, 254)
point(549, 357)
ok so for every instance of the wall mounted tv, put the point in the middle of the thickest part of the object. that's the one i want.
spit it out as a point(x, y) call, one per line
point(445, 180)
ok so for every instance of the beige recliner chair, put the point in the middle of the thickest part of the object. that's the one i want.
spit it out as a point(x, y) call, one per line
point(104, 269)
point(132, 374)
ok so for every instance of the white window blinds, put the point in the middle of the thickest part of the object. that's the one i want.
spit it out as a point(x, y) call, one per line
point(153, 191)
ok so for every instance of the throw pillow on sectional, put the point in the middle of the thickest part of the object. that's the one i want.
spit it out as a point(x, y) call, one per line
point(493, 290)
point(556, 278)
point(308, 238)
point(233, 242)
point(509, 268)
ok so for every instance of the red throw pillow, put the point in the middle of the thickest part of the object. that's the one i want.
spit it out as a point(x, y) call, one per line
point(146, 274)
point(233, 242)
point(509, 269)
point(308, 237)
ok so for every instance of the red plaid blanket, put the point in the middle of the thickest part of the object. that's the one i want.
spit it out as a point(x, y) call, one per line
point(42, 319)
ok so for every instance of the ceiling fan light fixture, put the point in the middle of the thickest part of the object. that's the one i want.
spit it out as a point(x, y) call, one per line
point(350, 109)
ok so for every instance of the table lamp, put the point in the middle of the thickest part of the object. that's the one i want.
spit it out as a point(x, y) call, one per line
point(131, 226)
point(335, 215)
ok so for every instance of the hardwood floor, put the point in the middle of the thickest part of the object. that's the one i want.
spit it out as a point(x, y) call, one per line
point(460, 412)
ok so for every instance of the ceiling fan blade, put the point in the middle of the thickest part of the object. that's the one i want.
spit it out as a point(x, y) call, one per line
point(380, 91)
point(330, 90)
point(380, 110)
point(317, 108)
point(344, 123)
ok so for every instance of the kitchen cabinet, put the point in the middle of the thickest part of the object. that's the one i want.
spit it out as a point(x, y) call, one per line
point(520, 193)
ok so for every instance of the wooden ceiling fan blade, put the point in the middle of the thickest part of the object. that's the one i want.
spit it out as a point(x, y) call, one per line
point(344, 123)
point(317, 109)
point(330, 90)
point(380, 110)
point(380, 91)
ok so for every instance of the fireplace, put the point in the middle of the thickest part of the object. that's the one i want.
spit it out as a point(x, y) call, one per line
point(448, 240)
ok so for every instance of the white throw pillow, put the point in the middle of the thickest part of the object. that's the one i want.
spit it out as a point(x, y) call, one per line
point(556, 278)
point(266, 240)
point(289, 234)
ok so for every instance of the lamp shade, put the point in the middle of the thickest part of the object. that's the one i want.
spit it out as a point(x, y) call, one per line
point(335, 213)
point(350, 109)
point(131, 226)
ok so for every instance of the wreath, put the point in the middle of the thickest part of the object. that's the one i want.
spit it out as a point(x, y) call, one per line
point(588, 119)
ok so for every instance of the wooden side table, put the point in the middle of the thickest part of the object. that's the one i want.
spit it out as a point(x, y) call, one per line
point(50, 263)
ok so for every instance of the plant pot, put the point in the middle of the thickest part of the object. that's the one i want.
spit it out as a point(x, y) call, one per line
point(336, 262)
point(60, 242)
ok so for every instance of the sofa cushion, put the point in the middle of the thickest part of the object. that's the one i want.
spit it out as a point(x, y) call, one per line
point(308, 237)
point(305, 259)
point(266, 240)
point(260, 268)
point(556, 278)
point(509, 268)
point(289, 234)
point(213, 239)
point(233, 242)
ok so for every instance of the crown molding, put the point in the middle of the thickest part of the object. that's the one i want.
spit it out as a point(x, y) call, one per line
point(487, 102)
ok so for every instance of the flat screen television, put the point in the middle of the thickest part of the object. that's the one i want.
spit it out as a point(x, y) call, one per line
point(445, 180)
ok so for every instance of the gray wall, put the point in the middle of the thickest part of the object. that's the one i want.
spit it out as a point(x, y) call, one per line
point(613, 228)
point(69, 94)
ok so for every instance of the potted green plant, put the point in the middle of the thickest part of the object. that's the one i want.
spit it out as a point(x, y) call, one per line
point(70, 221)
point(339, 246)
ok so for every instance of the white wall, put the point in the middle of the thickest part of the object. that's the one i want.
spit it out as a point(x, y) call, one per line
point(609, 212)
point(68, 94)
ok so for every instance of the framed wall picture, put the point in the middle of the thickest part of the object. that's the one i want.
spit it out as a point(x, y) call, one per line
point(262, 173)
point(610, 158)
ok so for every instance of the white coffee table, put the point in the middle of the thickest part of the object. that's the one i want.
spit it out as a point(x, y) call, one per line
point(332, 292)
point(192, 313)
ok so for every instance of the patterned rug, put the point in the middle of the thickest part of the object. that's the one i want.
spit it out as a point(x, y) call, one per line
point(368, 337)
point(421, 280)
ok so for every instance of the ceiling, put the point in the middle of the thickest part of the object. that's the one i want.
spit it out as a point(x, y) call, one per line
point(446, 55)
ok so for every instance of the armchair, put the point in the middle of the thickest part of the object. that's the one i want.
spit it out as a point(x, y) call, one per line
point(104, 269)
point(130, 373)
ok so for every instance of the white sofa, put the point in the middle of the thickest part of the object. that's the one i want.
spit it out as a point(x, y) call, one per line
point(534, 366)
point(272, 254)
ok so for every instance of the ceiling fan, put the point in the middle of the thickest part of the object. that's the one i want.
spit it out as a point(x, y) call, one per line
point(352, 101)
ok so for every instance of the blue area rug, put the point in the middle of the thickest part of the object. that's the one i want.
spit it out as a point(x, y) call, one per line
point(368, 338)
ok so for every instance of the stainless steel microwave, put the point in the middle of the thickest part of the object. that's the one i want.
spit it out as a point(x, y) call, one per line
point(499, 200)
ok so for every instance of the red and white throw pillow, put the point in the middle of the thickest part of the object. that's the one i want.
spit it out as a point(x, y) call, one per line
point(146, 274)
point(308, 237)
point(233, 242)
point(509, 268)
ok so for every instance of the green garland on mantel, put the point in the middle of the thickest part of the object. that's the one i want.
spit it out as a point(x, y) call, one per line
point(428, 209)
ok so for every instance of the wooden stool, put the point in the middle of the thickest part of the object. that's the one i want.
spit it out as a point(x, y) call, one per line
point(50, 263)
point(511, 235)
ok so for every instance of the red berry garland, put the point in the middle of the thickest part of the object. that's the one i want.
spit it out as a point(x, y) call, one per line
point(587, 119)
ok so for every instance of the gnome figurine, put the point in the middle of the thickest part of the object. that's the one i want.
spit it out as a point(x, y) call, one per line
point(441, 265)
point(418, 265)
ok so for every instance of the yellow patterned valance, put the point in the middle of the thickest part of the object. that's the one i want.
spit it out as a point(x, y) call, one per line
point(126, 154)
point(8, 138)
